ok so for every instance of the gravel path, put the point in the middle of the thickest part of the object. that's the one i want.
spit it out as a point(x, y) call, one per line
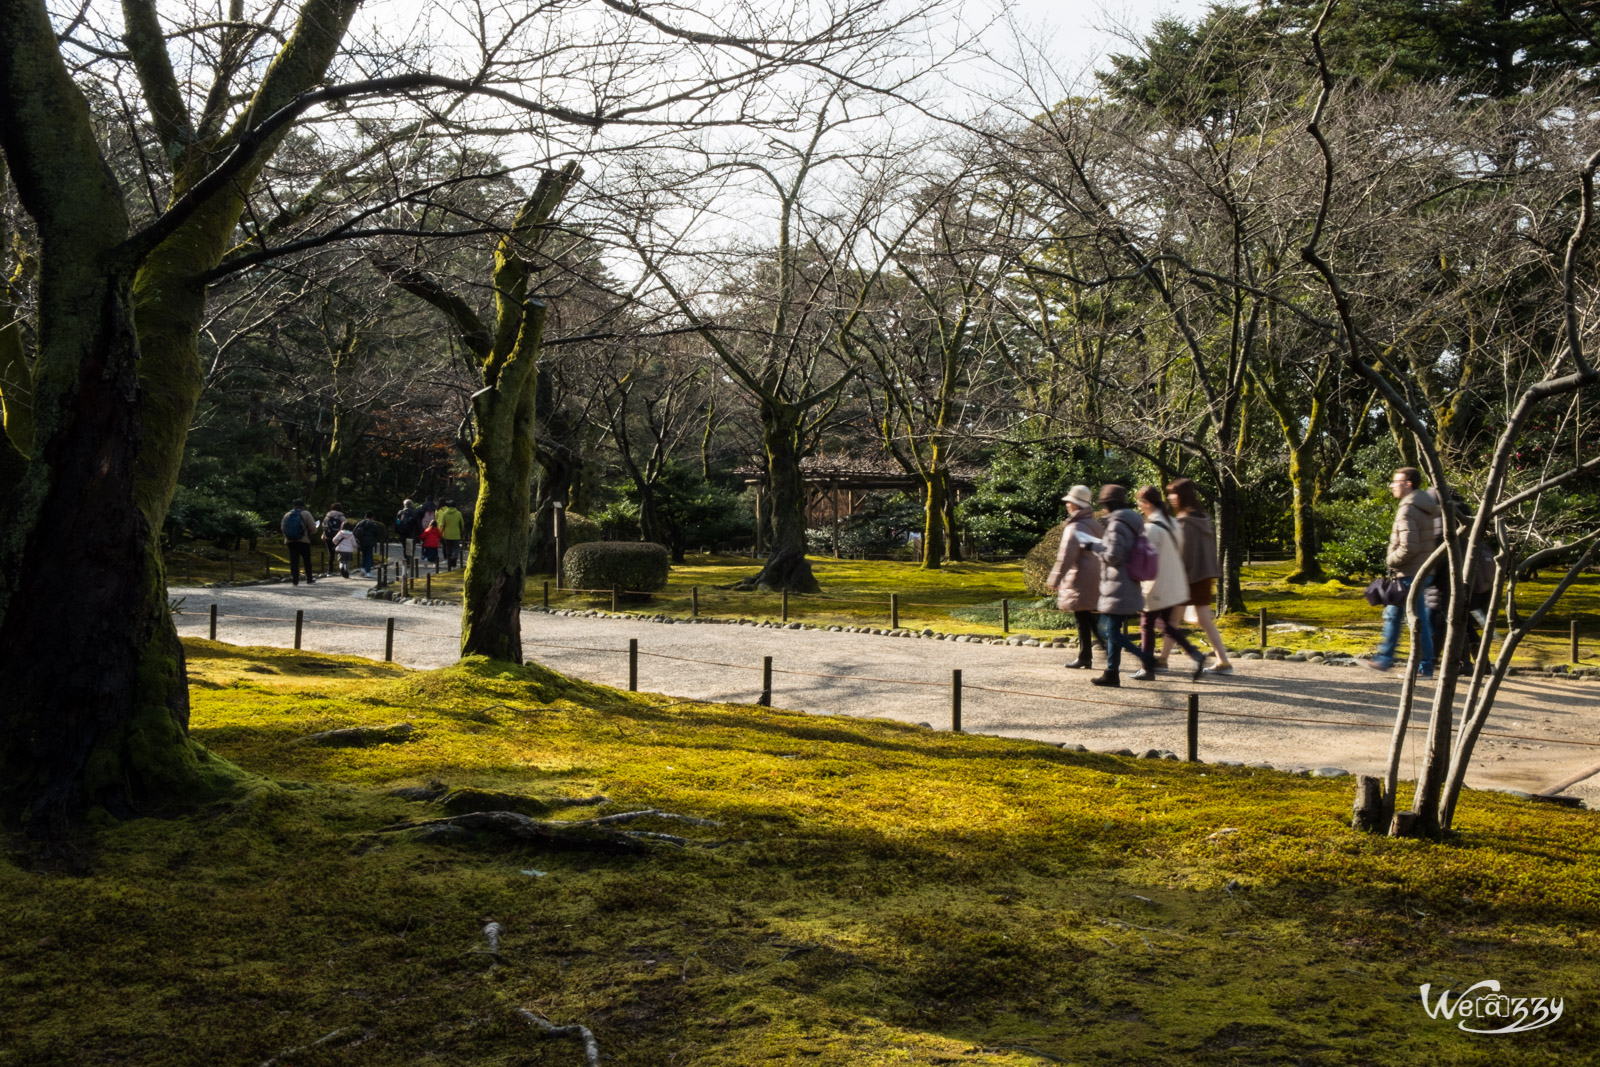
point(870, 675)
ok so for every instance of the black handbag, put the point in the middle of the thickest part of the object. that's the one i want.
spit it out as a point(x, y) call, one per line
point(1384, 592)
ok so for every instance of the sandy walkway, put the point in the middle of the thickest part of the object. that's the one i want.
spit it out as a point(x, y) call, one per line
point(871, 675)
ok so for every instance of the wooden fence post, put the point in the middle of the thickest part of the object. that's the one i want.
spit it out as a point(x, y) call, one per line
point(230, 567)
point(1192, 754)
point(894, 611)
point(1262, 619)
point(955, 701)
point(694, 602)
point(786, 605)
point(388, 641)
point(213, 622)
point(1005, 615)
point(547, 595)
point(1574, 642)
point(766, 682)
point(299, 625)
point(633, 664)
point(614, 598)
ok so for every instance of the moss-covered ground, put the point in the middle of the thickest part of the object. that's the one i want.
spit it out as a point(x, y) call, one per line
point(875, 894)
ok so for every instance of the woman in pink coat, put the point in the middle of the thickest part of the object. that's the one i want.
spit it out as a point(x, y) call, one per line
point(1076, 575)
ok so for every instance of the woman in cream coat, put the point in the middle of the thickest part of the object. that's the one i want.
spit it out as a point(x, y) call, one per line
point(1166, 593)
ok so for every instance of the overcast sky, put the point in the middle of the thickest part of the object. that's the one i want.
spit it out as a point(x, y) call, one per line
point(1080, 26)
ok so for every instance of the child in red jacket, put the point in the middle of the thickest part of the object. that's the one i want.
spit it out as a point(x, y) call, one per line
point(431, 539)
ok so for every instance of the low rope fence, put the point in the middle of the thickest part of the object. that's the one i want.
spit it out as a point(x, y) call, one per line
point(957, 686)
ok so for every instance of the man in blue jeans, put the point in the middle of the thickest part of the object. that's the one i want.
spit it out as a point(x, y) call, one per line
point(1418, 529)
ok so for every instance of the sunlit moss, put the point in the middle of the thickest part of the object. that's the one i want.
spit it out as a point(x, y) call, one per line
point(876, 894)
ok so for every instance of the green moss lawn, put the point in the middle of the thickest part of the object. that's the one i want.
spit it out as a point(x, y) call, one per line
point(875, 894)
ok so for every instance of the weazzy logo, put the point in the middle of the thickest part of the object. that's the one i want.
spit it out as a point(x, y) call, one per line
point(1484, 1005)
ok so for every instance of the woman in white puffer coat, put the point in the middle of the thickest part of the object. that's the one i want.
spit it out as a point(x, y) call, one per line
point(1166, 593)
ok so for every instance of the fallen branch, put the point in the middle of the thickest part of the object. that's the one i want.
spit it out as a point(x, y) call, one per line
point(591, 1050)
point(325, 1039)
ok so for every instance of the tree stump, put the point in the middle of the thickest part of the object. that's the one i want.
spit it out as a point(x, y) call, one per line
point(1404, 825)
point(1367, 814)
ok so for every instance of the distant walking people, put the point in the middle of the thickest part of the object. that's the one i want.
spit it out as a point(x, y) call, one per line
point(344, 543)
point(298, 525)
point(407, 527)
point(1121, 598)
point(332, 523)
point(451, 526)
point(1418, 529)
point(1166, 593)
point(1200, 565)
point(368, 533)
point(430, 513)
point(1076, 575)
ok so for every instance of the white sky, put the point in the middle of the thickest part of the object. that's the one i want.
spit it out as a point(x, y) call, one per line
point(1081, 27)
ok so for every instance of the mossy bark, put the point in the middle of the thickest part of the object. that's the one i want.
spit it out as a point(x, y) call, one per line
point(96, 705)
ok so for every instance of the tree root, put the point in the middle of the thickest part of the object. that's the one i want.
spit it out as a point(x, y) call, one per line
point(362, 736)
point(350, 1033)
point(465, 801)
point(591, 1050)
point(585, 833)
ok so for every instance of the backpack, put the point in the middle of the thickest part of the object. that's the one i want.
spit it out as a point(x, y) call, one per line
point(1142, 562)
point(405, 522)
point(366, 532)
point(294, 526)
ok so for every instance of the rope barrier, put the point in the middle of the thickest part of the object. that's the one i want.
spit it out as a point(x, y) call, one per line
point(1256, 716)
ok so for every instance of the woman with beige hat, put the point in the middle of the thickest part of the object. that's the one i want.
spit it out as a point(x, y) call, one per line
point(1076, 575)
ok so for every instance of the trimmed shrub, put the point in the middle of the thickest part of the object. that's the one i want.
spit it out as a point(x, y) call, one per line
point(636, 566)
point(1355, 542)
point(1040, 558)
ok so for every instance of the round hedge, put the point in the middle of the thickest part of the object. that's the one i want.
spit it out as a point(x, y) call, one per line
point(631, 566)
point(1040, 559)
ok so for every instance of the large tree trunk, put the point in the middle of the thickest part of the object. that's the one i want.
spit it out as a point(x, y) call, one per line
point(786, 566)
point(1302, 476)
point(952, 530)
point(97, 708)
point(1230, 591)
point(491, 610)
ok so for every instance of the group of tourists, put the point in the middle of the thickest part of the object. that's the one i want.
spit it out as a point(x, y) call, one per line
point(434, 529)
point(1151, 558)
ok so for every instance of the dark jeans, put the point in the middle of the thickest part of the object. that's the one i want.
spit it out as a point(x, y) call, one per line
point(333, 555)
point(1167, 620)
point(299, 556)
point(1114, 629)
point(1086, 628)
point(452, 550)
point(366, 558)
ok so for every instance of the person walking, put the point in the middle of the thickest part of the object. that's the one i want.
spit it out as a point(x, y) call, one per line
point(1201, 566)
point(332, 524)
point(431, 539)
point(1418, 529)
point(298, 525)
point(451, 523)
point(1121, 598)
point(1168, 591)
point(368, 533)
point(344, 543)
point(1076, 575)
point(407, 526)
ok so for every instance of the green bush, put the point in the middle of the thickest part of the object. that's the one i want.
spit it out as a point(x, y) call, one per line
point(1356, 541)
point(633, 566)
point(202, 516)
point(1040, 559)
point(1018, 498)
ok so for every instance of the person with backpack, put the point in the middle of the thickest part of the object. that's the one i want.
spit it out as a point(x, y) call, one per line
point(407, 526)
point(298, 525)
point(1126, 559)
point(1167, 592)
point(332, 524)
point(451, 525)
point(1076, 575)
point(368, 534)
point(1200, 565)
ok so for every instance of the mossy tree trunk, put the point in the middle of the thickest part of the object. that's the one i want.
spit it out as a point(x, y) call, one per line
point(1301, 439)
point(504, 419)
point(96, 708)
point(787, 566)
